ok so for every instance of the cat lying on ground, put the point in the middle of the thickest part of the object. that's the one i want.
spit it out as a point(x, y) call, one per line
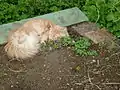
point(24, 42)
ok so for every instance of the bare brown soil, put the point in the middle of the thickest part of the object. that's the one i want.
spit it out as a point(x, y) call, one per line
point(61, 69)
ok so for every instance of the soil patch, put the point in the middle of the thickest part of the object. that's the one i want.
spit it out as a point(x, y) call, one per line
point(62, 69)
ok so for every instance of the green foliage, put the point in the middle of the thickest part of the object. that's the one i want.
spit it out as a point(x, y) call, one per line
point(67, 41)
point(13, 10)
point(104, 12)
point(80, 46)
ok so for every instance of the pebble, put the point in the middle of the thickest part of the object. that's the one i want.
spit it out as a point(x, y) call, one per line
point(11, 86)
point(94, 60)
point(60, 71)
point(43, 77)
point(48, 84)
point(17, 82)
point(68, 84)
point(44, 65)
point(5, 74)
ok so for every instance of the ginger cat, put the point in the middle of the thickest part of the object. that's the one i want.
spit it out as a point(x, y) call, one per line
point(24, 42)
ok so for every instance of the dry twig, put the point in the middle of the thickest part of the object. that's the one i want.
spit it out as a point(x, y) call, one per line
point(91, 81)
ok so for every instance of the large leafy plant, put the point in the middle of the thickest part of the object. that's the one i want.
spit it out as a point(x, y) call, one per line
point(13, 10)
point(106, 13)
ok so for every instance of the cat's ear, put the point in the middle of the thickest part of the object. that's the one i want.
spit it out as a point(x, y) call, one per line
point(50, 24)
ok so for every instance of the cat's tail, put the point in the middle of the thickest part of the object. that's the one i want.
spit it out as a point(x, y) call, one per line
point(26, 49)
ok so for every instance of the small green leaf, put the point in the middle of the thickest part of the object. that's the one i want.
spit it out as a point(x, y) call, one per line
point(110, 17)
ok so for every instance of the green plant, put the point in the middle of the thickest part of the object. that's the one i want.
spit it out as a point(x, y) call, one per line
point(67, 41)
point(14, 10)
point(80, 46)
point(106, 13)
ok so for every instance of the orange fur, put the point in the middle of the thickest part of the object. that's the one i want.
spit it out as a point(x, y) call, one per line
point(24, 42)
